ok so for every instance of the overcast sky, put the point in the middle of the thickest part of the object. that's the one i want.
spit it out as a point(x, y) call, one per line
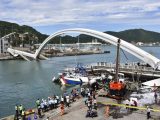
point(48, 16)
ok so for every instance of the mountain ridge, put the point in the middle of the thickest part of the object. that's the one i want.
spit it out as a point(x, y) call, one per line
point(130, 35)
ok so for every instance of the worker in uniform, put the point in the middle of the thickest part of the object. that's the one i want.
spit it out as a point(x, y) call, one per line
point(16, 109)
point(20, 109)
point(38, 103)
point(23, 114)
point(148, 112)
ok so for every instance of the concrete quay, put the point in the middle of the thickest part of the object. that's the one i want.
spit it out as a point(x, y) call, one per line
point(78, 110)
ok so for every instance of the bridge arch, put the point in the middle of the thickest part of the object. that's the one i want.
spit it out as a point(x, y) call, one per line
point(139, 53)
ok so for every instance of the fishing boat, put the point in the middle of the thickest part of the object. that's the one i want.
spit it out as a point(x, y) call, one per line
point(73, 79)
point(73, 76)
point(78, 79)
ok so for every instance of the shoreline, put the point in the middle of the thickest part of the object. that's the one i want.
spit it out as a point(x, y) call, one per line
point(50, 56)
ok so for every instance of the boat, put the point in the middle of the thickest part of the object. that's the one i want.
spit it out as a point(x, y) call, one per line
point(106, 51)
point(152, 83)
point(73, 79)
point(150, 86)
point(77, 79)
point(73, 76)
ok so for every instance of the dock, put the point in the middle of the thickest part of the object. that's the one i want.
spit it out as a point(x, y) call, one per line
point(78, 111)
point(131, 70)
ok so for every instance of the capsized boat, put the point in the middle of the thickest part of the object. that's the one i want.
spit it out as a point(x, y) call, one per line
point(72, 79)
point(77, 79)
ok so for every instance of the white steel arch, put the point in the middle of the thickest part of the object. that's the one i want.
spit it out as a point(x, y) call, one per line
point(139, 53)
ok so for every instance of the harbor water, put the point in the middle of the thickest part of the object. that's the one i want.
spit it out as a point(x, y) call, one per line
point(22, 82)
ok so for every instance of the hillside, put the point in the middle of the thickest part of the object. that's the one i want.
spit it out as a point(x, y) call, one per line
point(131, 35)
point(137, 35)
point(7, 27)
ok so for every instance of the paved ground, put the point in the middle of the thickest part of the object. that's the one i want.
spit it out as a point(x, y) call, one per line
point(78, 111)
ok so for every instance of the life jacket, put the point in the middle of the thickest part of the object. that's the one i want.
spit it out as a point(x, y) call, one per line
point(38, 102)
point(20, 107)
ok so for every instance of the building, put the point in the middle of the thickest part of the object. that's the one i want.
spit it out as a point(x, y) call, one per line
point(4, 43)
point(17, 39)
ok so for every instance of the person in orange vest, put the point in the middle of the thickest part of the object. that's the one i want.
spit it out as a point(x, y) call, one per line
point(107, 111)
point(62, 108)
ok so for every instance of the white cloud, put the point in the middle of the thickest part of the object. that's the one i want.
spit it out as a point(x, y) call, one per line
point(50, 12)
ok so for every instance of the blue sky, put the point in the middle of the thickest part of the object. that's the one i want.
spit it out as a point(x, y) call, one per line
point(48, 16)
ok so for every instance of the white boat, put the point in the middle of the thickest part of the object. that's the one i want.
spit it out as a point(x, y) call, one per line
point(152, 83)
point(150, 86)
point(77, 79)
point(73, 79)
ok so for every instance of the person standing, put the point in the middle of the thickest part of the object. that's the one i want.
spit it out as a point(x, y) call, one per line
point(89, 104)
point(155, 96)
point(62, 99)
point(39, 112)
point(95, 103)
point(62, 108)
point(38, 103)
point(148, 112)
point(107, 111)
point(82, 91)
point(20, 109)
point(57, 97)
point(16, 109)
point(23, 114)
point(67, 100)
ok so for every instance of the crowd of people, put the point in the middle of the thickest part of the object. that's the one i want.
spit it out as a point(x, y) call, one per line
point(20, 112)
point(65, 100)
point(89, 95)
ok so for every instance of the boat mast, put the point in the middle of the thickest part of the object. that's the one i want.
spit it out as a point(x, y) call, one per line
point(117, 60)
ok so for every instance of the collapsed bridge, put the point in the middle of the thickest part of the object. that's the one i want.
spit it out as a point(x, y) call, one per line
point(137, 52)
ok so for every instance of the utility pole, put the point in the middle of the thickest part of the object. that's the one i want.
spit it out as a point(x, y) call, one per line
point(78, 42)
point(117, 60)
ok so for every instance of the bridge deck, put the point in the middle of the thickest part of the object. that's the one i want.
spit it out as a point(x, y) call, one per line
point(131, 68)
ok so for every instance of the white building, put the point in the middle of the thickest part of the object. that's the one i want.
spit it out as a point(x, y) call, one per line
point(4, 44)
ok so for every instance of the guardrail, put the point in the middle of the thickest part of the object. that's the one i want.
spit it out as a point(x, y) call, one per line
point(132, 67)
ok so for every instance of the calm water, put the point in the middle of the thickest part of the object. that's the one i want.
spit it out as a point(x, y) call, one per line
point(22, 82)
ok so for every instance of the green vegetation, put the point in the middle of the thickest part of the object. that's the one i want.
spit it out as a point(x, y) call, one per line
point(132, 35)
point(7, 27)
point(137, 35)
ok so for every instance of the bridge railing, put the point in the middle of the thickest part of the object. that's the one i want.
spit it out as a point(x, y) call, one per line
point(132, 67)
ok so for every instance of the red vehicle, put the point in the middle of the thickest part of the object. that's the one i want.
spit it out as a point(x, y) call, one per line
point(117, 89)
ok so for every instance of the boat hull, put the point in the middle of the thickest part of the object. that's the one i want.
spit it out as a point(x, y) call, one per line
point(75, 80)
point(72, 81)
